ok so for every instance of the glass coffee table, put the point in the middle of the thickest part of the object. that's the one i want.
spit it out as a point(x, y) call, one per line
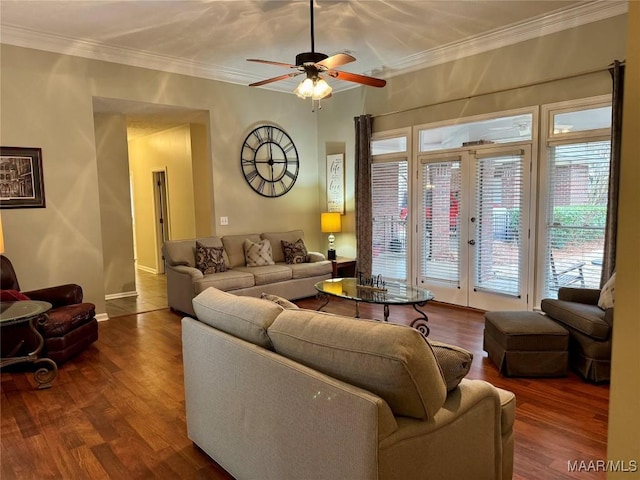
point(394, 293)
point(33, 314)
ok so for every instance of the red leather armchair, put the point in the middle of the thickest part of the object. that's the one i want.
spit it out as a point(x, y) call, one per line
point(71, 325)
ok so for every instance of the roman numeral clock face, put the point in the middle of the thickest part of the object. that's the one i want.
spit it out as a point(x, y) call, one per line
point(269, 161)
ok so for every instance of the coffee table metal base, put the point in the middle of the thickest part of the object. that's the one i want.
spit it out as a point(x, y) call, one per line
point(421, 323)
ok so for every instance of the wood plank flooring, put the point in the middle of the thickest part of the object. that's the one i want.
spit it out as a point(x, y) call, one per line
point(117, 409)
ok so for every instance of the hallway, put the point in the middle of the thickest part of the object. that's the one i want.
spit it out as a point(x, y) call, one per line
point(152, 295)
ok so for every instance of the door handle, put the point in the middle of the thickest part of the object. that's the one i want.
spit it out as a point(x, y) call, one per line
point(472, 242)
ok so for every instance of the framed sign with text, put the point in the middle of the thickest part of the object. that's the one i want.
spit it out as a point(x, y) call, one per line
point(335, 183)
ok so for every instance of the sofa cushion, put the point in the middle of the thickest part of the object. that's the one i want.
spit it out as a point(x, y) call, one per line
point(244, 317)
point(257, 254)
point(392, 361)
point(607, 294)
point(63, 320)
point(306, 270)
point(235, 251)
point(229, 280)
point(454, 362)
point(209, 259)
point(267, 274)
point(276, 239)
point(295, 252)
point(588, 319)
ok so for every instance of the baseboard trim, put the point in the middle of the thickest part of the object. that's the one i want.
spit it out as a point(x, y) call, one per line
point(102, 317)
point(147, 269)
point(114, 296)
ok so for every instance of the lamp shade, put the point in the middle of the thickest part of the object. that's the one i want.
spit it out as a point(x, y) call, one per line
point(331, 222)
point(1, 237)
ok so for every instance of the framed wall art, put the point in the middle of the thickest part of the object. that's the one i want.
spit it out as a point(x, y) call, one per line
point(335, 183)
point(21, 180)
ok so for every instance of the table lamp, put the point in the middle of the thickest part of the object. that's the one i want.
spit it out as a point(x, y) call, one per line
point(331, 222)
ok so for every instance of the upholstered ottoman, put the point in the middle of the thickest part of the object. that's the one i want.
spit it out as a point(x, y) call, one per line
point(526, 344)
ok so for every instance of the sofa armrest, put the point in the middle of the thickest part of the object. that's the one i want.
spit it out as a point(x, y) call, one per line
point(315, 257)
point(59, 296)
point(485, 415)
point(193, 272)
point(588, 296)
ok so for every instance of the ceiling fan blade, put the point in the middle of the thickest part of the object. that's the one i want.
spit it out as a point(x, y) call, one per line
point(354, 77)
point(275, 79)
point(269, 62)
point(336, 60)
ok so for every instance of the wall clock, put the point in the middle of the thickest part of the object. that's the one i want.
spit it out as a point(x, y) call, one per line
point(269, 161)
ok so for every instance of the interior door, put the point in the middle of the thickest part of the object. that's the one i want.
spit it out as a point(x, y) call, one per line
point(473, 227)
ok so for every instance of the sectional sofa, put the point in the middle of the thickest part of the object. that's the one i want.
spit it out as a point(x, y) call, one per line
point(287, 393)
point(291, 281)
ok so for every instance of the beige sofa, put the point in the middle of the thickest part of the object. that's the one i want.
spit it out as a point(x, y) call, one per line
point(185, 281)
point(274, 393)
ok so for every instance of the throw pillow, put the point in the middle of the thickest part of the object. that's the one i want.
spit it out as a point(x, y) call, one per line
point(12, 296)
point(209, 259)
point(257, 254)
point(283, 302)
point(295, 252)
point(454, 362)
point(607, 293)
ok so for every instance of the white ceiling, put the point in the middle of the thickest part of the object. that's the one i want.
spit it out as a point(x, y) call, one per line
point(213, 38)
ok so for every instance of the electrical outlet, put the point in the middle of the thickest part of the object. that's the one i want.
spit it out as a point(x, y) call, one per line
point(224, 220)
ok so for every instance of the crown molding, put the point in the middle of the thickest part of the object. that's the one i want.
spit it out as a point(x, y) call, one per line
point(556, 22)
point(539, 27)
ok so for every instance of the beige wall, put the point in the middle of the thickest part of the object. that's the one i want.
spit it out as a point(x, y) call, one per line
point(202, 180)
point(46, 102)
point(624, 417)
point(115, 203)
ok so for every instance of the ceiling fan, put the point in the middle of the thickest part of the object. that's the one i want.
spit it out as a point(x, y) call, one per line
point(313, 64)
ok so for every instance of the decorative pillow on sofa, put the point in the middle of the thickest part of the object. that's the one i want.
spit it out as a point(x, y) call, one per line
point(283, 302)
point(12, 296)
point(454, 362)
point(295, 252)
point(607, 293)
point(209, 259)
point(257, 254)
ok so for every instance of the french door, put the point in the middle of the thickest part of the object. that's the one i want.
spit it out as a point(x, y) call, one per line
point(473, 226)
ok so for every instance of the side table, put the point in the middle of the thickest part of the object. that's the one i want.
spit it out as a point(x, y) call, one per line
point(33, 313)
point(343, 267)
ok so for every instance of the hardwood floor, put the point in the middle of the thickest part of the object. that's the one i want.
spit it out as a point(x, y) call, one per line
point(117, 409)
point(152, 295)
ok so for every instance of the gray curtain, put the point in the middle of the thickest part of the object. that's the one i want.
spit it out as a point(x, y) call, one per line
point(363, 194)
point(611, 227)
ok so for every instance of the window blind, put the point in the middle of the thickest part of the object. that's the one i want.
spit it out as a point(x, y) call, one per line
point(578, 179)
point(440, 222)
point(390, 208)
point(497, 222)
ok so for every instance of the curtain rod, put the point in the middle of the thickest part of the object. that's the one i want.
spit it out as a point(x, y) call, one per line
point(492, 92)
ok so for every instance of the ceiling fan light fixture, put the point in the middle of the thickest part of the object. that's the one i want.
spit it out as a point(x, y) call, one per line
point(305, 89)
point(321, 89)
point(315, 87)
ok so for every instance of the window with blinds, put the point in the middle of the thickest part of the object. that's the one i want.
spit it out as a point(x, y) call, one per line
point(440, 222)
point(578, 179)
point(497, 221)
point(389, 195)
